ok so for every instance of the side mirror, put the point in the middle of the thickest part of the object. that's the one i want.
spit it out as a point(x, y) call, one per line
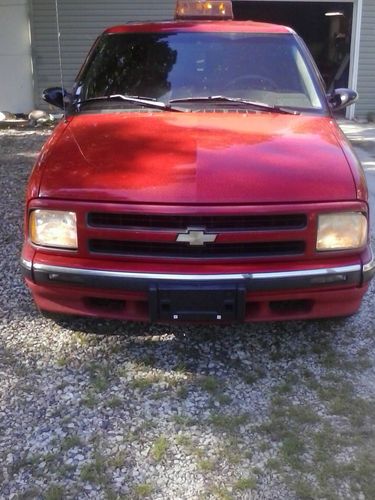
point(55, 96)
point(341, 98)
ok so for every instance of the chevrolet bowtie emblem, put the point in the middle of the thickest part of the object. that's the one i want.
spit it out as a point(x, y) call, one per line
point(196, 237)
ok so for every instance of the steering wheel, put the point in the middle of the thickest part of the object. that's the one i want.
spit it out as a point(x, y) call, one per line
point(270, 84)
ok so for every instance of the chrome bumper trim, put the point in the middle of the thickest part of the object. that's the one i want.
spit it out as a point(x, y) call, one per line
point(27, 264)
point(43, 274)
point(369, 268)
point(331, 271)
point(142, 276)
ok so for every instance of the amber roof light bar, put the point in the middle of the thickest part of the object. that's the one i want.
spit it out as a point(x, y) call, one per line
point(199, 9)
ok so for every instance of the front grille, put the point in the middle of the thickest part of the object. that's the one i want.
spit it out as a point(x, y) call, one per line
point(214, 250)
point(218, 223)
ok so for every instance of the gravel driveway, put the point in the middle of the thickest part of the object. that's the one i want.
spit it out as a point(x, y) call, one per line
point(271, 411)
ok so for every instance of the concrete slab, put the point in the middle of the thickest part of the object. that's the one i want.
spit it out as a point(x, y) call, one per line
point(362, 137)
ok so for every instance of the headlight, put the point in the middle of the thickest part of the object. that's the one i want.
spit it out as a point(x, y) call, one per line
point(341, 231)
point(53, 228)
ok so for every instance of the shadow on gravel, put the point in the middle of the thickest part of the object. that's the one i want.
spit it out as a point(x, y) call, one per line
point(204, 349)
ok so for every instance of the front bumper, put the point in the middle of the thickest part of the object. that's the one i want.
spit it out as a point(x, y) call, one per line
point(307, 293)
point(356, 274)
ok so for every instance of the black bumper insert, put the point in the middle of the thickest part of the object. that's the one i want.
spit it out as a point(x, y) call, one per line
point(197, 303)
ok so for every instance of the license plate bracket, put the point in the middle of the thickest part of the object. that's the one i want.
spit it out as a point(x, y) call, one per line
point(222, 303)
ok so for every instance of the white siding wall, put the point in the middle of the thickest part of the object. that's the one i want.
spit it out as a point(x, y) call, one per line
point(366, 69)
point(15, 64)
point(81, 22)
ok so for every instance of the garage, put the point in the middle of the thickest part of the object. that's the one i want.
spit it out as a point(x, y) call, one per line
point(328, 29)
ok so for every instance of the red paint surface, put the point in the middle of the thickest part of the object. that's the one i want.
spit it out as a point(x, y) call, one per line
point(198, 158)
point(76, 301)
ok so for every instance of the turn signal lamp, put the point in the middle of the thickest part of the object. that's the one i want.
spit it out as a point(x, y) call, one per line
point(199, 9)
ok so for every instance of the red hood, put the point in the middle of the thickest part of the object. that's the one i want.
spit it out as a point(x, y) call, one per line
point(197, 158)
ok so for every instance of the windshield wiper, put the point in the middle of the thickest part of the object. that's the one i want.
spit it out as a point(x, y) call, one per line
point(238, 101)
point(147, 102)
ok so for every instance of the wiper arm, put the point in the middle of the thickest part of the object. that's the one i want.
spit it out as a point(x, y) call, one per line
point(147, 102)
point(254, 104)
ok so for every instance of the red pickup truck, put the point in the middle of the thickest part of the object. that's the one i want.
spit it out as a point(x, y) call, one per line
point(199, 175)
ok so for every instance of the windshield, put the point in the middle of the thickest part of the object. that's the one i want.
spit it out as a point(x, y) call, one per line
point(270, 69)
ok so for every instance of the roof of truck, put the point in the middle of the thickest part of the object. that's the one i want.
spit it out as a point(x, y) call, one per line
point(200, 26)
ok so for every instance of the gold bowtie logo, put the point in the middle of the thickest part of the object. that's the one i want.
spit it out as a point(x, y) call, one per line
point(196, 237)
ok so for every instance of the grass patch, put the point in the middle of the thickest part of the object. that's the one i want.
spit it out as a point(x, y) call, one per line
point(95, 471)
point(355, 408)
point(184, 440)
point(342, 401)
point(321, 346)
point(228, 423)
point(81, 339)
point(310, 379)
point(66, 470)
point(114, 402)
point(160, 395)
point(89, 400)
point(184, 420)
point(287, 386)
point(219, 493)
point(100, 383)
point(223, 399)
point(276, 355)
point(62, 361)
point(331, 359)
point(181, 368)
point(328, 392)
point(143, 383)
point(206, 465)
point(25, 461)
point(159, 448)
point(143, 490)
point(182, 392)
point(70, 442)
point(147, 361)
point(245, 483)
point(286, 417)
point(209, 384)
point(118, 460)
point(116, 348)
point(284, 388)
point(292, 448)
point(274, 464)
point(319, 456)
point(251, 378)
point(302, 414)
point(231, 454)
point(363, 473)
point(29, 494)
point(282, 410)
point(99, 376)
point(264, 446)
point(55, 492)
point(304, 490)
